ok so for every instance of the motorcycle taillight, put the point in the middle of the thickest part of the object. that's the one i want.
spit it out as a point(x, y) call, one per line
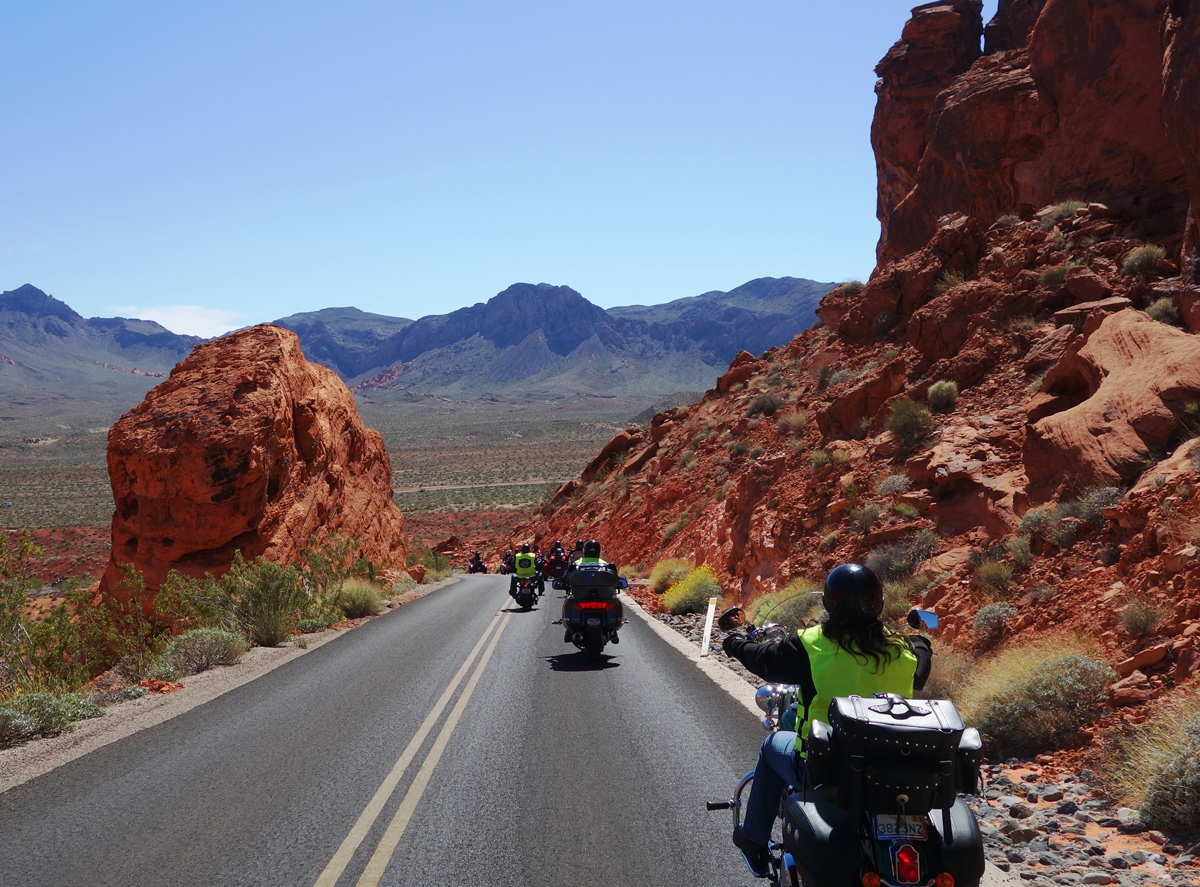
point(908, 864)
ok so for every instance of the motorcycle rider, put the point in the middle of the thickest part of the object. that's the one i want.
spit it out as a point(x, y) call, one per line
point(851, 653)
point(525, 567)
point(589, 560)
point(575, 555)
point(476, 565)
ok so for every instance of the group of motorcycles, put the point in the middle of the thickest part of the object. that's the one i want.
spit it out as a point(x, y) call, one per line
point(880, 806)
point(592, 615)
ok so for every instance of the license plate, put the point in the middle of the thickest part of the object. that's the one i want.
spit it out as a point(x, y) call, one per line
point(593, 620)
point(893, 828)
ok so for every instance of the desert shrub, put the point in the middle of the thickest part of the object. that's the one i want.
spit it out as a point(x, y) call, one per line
point(900, 559)
point(849, 288)
point(678, 524)
point(1007, 221)
point(948, 674)
point(200, 649)
point(691, 593)
point(766, 404)
point(884, 321)
point(1142, 618)
point(898, 598)
point(667, 572)
point(942, 396)
point(793, 424)
point(1034, 521)
point(843, 375)
point(1164, 310)
point(829, 541)
point(1142, 259)
point(316, 623)
point(824, 377)
point(990, 620)
point(1062, 211)
point(894, 485)
point(270, 599)
point(1052, 278)
point(1033, 698)
point(38, 714)
point(910, 422)
point(687, 459)
point(187, 602)
point(359, 599)
point(1019, 548)
point(796, 605)
point(436, 564)
point(116, 632)
point(1089, 507)
point(906, 512)
point(994, 575)
point(819, 459)
point(865, 516)
point(737, 447)
point(326, 564)
point(948, 280)
point(1158, 768)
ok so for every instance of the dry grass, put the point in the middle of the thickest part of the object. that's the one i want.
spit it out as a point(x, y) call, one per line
point(1158, 767)
point(667, 572)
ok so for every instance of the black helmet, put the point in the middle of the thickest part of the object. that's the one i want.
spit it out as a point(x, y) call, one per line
point(557, 543)
point(477, 554)
point(579, 543)
point(525, 548)
point(852, 590)
point(591, 548)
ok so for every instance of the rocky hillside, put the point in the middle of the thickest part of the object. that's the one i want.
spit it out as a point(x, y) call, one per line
point(1007, 412)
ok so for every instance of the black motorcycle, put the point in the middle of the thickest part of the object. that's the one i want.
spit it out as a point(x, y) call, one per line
point(591, 614)
point(880, 802)
point(526, 593)
point(476, 566)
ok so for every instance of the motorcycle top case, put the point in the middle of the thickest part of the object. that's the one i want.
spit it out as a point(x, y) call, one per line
point(592, 584)
point(890, 754)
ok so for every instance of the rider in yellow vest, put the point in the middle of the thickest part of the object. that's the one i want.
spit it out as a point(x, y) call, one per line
point(525, 567)
point(851, 653)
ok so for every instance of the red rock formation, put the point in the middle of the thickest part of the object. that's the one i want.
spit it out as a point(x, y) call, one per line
point(1181, 101)
point(1078, 113)
point(248, 447)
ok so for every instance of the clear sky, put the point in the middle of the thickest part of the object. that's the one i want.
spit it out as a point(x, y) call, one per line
point(216, 164)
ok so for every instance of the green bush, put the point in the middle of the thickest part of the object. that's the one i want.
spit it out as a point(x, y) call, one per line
point(1164, 310)
point(691, 593)
point(865, 516)
point(1142, 618)
point(793, 424)
point(1034, 521)
point(1020, 549)
point(1031, 699)
point(947, 281)
point(1062, 211)
point(667, 572)
point(359, 599)
point(849, 288)
point(994, 575)
point(1089, 507)
point(990, 620)
point(898, 597)
point(38, 714)
point(819, 459)
point(203, 648)
point(1052, 278)
point(1158, 769)
point(1142, 259)
point(673, 528)
point(910, 422)
point(894, 485)
point(766, 404)
point(271, 600)
point(797, 605)
point(942, 396)
point(899, 559)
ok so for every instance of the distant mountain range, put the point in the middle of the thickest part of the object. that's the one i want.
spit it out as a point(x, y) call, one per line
point(531, 338)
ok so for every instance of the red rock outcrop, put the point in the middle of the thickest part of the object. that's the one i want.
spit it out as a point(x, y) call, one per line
point(1181, 106)
point(1125, 384)
point(1075, 113)
point(247, 446)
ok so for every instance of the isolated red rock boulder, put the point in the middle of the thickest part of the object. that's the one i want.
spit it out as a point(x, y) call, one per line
point(247, 446)
point(1116, 394)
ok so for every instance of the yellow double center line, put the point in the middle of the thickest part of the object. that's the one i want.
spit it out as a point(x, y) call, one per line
point(395, 830)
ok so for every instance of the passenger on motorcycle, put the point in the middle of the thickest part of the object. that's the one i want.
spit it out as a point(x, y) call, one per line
point(525, 567)
point(851, 653)
point(575, 555)
point(590, 560)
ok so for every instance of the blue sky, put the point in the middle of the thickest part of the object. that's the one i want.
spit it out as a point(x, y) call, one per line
point(213, 165)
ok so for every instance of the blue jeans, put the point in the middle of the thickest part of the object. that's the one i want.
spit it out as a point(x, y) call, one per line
point(778, 767)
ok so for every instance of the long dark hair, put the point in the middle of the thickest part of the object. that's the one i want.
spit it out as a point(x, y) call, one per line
point(866, 641)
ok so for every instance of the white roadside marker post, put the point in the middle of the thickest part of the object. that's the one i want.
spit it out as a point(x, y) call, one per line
point(708, 624)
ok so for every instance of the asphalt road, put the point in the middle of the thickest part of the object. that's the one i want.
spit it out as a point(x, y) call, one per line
point(450, 741)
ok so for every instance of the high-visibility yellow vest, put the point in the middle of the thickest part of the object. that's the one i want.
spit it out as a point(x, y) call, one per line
point(526, 565)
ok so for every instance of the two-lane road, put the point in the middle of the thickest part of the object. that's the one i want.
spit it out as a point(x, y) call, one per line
point(455, 740)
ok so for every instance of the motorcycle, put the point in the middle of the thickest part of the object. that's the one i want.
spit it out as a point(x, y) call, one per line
point(556, 568)
point(526, 593)
point(476, 567)
point(591, 614)
point(880, 803)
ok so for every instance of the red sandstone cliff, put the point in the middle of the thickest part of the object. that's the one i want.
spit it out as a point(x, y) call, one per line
point(248, 447)
point(1073, 99)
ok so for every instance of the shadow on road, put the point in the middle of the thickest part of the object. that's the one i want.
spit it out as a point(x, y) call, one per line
point(579, 661)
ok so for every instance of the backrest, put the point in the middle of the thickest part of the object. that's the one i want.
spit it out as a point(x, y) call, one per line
point(593, 583)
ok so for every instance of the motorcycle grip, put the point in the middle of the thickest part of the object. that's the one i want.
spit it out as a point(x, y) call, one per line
point(718, 805)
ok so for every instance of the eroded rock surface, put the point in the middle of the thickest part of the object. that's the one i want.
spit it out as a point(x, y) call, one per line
point(247, 446)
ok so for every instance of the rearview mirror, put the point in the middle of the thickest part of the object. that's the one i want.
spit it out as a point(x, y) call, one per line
point(922, 620)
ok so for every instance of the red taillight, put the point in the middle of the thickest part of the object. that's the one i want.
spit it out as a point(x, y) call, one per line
point(908, 865)
point(593, 605)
